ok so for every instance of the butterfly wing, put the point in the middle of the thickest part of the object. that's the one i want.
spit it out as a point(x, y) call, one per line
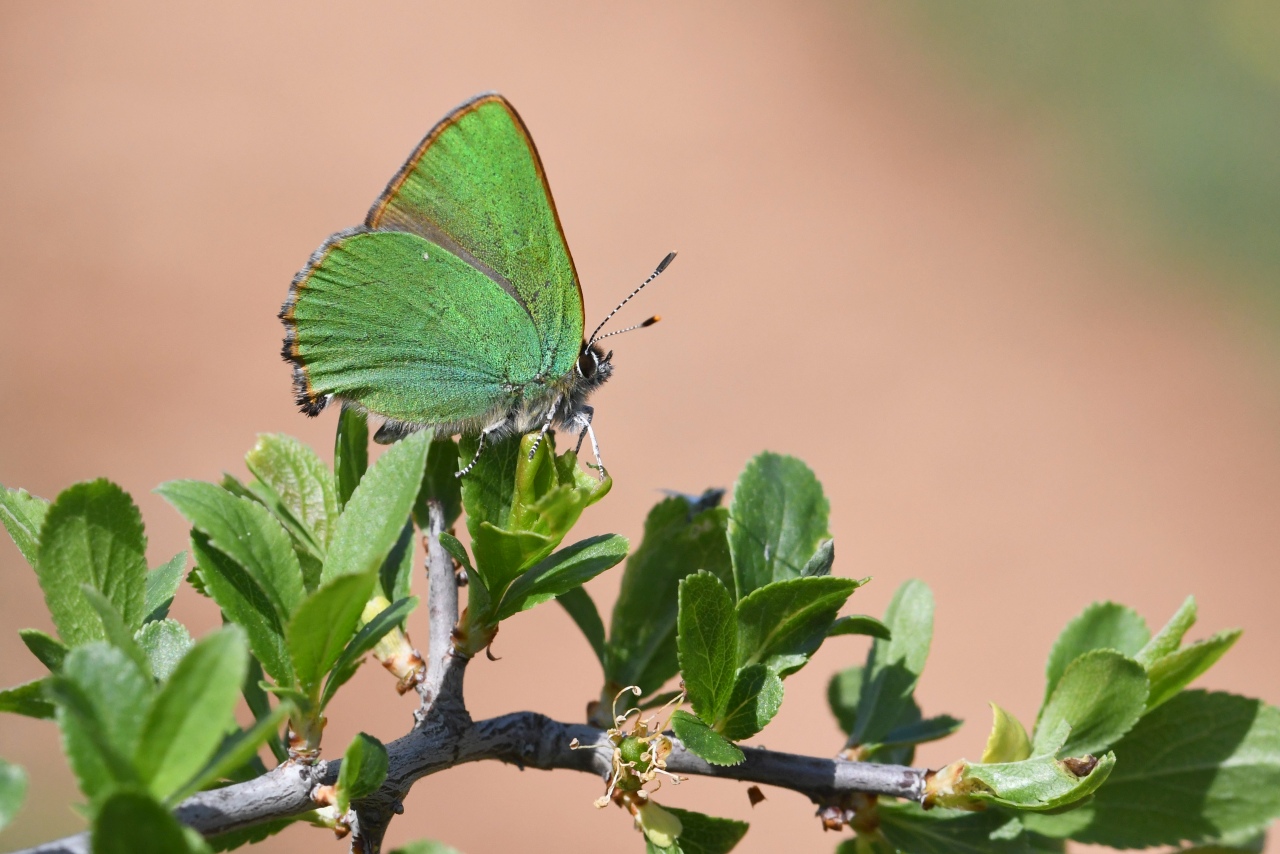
point(475, 186)
point(407, 329)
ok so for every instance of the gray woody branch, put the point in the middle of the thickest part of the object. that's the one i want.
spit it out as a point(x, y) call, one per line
point(444, 736)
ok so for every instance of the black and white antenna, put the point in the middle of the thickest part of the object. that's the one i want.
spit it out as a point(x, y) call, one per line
point(596, 336)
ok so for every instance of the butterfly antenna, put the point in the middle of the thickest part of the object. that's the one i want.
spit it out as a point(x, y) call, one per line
point(648, 322)
point(671, 256)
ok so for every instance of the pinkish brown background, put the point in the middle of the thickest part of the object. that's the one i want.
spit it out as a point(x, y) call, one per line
point(1006, 390)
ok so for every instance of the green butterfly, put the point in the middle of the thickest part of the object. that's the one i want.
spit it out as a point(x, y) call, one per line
point(456, 305)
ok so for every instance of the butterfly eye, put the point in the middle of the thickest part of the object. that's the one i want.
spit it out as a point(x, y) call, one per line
point(587, 365)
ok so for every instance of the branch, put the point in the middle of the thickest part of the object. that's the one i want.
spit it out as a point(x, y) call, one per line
point(524, 739)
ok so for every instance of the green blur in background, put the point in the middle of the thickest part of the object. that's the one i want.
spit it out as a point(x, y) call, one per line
point(1169, 114)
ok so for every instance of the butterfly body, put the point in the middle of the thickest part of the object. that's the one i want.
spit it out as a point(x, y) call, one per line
point(456, 305)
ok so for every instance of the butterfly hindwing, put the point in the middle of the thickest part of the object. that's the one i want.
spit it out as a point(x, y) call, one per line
point(408, 330)
point(475, 185)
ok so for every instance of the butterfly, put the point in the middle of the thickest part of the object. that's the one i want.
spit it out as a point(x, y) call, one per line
point(456, 305)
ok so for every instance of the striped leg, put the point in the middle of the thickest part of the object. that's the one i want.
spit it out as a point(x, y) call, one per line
point(546, 425)
point(479, 447)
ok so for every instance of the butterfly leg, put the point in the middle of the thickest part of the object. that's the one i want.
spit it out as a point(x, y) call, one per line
point(585, 418)
point(546, 425)
point(479, 447)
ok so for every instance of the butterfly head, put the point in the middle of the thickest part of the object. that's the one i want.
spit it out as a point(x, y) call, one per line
point(594, 367)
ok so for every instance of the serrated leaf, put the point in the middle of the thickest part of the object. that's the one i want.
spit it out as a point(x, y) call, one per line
point(941, 831)
point(1198, 767)
point(301, 483)
point(894, 666)
point(376, 513)
point(1100, 696)
point(164, 643)
point(822, 561)
point(326, 622)
point(117, 633)
point(704, 741)
point(582, 610)
point(132, 823)
point(565, 570)
point(23, 516)
point(350, 452)
point(234, 752)
point(247, 605)
point(788, 618)
point(364, 641)
point(1040, 783)
point(50, 651)
point(756, 698)
point(860, 624)
point(441, 484)
point(776, 521)
point(1008, 741)
point(245, 532)
point(28, 700)
point(92, 534)
point(162, 586)
point(13, 788)
point(707, 641)
point(1175, 671)
point(679, 539)
point(1103, 625)
point(363, 770)
point(192, 711)
point(702, 834)
point(1169, 638)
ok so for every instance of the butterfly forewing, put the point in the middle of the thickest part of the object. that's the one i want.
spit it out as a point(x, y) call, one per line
point(476, 186)
point(409, 330)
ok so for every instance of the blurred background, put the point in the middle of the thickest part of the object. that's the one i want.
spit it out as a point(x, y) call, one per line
point(1004, 274)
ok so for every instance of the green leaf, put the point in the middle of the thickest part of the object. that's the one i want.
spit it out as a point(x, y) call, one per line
point(1040, 783)
point(92, 535)
point(365, 640)
point(117, 633)
point(894, 666)
point(396, 574)
point(440, 483)
point(28, 700)
point(102, 700)
point(944, 831)
point(245, 532)
point(1100, 696)
point(250, 835)
point(582, 610)
point(1198, 767)
point(425, 846)
point(1241, 843)
point(363, 770)
point(1175, 671)
point(704, 741)
point(921, 731)
point(50, 651)
point(860, 624)
point(678, 540)
point(302, 484)
point(132, 823)
point(843, 693)
point(822, 561)
point(1103, 625)
point(456, 550)
point(1008, 741)
point(707, 643)
point(23, 516)
point(756, 698)
point(327, 620)
point(247, 605)
point(566, 570)
point(1169, 638)
point(788, 618)
point(235, 752)
point(13, 788)
point(162, 586)
point(164, 643)
point(776, 521)
point(376, 512)
point(702, 834)
point(193, 710)
point(350, 452)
